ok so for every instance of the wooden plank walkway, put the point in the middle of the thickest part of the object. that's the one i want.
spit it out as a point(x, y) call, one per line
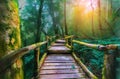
point(59, 64)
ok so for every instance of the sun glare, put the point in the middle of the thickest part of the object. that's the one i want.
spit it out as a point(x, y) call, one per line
point(88, 5)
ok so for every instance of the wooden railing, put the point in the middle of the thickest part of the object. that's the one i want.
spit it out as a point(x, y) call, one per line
point(110, 53)
point(69, 41)
point(50, 39)
point(7, 61)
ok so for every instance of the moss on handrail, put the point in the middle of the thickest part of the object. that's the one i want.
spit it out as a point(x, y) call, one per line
point(109, 58)
point(9, 59)
point(67, 37)
point(90, 74)
point(42, 59)
point(96, 46)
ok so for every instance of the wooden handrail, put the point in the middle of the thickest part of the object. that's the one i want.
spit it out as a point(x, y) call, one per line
point(9, 59)
point(109, 57)
point(96, 46)
point(85, 69)
point(67, 37)
point(112, 46)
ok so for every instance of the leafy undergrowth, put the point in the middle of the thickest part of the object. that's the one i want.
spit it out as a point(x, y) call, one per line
point(93, 58)
point(28, 61)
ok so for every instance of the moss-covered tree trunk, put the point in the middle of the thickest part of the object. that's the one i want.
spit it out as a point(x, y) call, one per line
point(10, 37)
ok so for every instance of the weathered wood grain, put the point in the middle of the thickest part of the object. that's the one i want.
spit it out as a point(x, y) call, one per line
point(62, 76)
point(61, 66)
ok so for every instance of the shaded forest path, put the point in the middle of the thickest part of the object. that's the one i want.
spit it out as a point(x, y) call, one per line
point(60, 64)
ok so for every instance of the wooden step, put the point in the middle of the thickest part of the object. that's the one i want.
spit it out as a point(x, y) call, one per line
point(59, 64)
point(59, 61)
point(60, 67)
point(60, 41)
point(58, 49)
point(58, 44)
point(59, 58)
point(62, 76)
point(60, 55)
point(68, 71)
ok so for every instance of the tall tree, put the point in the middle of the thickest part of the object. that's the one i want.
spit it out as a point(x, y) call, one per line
point(10, 37)
point(37, 39)
point(65, 24)
point(52, 13)
point(39, 28)
point(92, 18)
point(99, 16)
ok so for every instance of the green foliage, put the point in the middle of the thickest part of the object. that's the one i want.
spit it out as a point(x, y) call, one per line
point(28, 61)
point(53, 13)
point(93, 58)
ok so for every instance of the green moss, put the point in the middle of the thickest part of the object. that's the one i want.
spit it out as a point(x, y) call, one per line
point(10, 37)
point(14, 72)
point(14, 39)
point(9, 27)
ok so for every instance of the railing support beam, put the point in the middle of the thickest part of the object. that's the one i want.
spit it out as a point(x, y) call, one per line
point(36, 62)
point(109, 65)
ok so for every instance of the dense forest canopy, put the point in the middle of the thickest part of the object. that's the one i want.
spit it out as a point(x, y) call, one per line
point(91, 19)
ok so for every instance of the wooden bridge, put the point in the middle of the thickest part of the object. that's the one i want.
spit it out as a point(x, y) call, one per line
point(60, 61)
point(60, 64)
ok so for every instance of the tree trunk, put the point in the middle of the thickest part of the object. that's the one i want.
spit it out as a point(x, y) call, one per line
point(110, 9)
point(51, 11)
point(99, 18)
point(92, 18)
point(66, 29)
point(10, 37)
point(39, 28)
point(38, 37)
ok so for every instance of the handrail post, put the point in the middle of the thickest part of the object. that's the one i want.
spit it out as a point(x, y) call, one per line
point(108, 71)
point(72, 44)
point(71, 38)
point(47, 39)
point(36, 62)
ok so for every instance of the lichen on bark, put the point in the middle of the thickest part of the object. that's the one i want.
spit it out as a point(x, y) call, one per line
point(10, 37)
point(9, 27)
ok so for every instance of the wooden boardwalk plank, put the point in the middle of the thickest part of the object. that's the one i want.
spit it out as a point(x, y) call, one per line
point(60, 41)
point(56, 57)
point(60, 55)
point(57, 44)
point(68, 71)
point(59, 67)
point(62, 76)
point(59, 64)
point(59, 61)
point(59, 49)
